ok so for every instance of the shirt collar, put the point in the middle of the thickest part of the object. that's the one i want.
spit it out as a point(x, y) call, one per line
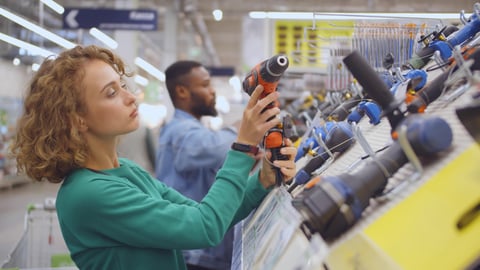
point(183, 114)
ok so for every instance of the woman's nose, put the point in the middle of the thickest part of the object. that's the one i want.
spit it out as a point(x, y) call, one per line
point(130, 97)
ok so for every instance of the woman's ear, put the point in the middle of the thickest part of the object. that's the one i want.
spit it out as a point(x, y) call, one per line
point(81, 124)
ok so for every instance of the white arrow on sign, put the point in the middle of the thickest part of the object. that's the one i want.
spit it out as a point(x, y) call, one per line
point(70, 18)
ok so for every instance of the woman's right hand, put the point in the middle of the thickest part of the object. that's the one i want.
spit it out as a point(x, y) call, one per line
point(256, 123)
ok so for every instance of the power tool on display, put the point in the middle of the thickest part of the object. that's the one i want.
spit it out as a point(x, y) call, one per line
point(365, 107)
point(445, 40)
point(331, 205)
point(435, 88)
point(469, 116)
point(332, 133)
point(337, 137)
point(268, 73)
point(334, 204)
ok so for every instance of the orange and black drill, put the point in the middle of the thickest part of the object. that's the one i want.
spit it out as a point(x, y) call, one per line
point(267, 73)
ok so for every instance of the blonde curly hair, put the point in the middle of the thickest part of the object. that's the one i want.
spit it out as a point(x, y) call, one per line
point(47, 144)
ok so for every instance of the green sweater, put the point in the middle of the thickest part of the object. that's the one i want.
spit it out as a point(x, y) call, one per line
point(123, 218)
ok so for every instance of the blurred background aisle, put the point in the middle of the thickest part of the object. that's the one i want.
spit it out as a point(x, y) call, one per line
point(13, 205)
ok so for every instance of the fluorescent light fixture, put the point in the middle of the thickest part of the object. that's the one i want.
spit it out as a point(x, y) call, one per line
point(346, 16)
point(37, 29)
point(104, 38)
point(214, 122)
point(140, 80)
point(32, 49)
point(16, 61)
point(150, 68)
point(54, 5)
point(152, 115)
point(35, 67)
point(217, 14)
point(281, 15)
point(222, 104)
point(235, 82)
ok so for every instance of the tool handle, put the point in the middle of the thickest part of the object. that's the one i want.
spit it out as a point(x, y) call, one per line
point(374, 86)
point(369, 79)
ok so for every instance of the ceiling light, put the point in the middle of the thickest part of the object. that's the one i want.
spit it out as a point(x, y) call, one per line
point(37, 29)
point(104, 38)
point(150, 69)
point(35, 67)
point(236, 84)
point(32, 49)
point(222, 104)
point(346, 16)
point(217, 14)
point(16, 61)
point(281, 15)
point(54, 5)
point(141, 80)
point(152, 115)
point(338, 16)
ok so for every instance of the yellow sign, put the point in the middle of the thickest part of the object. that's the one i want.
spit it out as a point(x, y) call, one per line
point(425, 231)
point(312, 45)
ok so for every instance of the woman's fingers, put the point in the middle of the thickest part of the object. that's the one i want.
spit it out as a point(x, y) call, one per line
point(255, 96)
point(287, 167)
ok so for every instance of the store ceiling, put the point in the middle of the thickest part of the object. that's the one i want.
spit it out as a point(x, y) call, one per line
point(239, 8)
point(225, 36)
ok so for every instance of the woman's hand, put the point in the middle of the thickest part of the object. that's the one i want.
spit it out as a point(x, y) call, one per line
point(267, 175)
point(256, 122)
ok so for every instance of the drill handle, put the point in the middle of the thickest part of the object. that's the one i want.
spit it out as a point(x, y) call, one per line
point(276, 155)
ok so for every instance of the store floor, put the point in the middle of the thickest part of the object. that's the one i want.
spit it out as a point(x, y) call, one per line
point(13, 205)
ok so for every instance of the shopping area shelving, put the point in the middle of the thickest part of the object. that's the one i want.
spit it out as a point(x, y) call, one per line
point(414, 227)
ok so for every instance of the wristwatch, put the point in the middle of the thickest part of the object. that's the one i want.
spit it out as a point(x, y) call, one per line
point(246, 148)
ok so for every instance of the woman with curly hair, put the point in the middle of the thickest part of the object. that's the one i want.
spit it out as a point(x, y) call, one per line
point(112, 213)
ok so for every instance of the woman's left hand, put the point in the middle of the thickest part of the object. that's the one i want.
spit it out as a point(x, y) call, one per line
point(287, 167)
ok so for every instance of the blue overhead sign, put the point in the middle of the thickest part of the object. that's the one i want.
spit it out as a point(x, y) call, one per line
point(110, 19)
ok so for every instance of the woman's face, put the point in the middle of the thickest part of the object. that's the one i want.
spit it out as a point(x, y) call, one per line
point(111, 108)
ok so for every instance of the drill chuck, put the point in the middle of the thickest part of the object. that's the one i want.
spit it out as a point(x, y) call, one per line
point(275, 67)
point(267, 73)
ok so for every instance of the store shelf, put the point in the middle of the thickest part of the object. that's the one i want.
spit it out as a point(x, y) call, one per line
point(413, 228)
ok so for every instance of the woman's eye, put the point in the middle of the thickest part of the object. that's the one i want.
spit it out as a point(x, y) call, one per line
point(111, 92)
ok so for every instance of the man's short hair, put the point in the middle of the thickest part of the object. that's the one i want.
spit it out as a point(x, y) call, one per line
point(175, 72)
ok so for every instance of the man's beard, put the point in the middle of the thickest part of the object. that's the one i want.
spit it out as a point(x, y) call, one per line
point(202, 109)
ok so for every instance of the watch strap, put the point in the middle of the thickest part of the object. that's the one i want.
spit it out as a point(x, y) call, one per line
point(246, 148)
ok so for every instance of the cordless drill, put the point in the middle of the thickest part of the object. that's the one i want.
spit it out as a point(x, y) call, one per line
point(267, 73)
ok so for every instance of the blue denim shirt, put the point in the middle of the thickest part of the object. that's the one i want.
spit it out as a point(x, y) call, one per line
point(188, 158)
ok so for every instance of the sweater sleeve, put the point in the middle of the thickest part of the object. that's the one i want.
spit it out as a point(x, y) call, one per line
point(120, 213)
point(254, 195)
